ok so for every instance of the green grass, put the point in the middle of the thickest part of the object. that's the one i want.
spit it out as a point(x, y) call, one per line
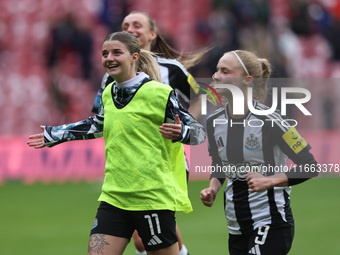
point(56, 219)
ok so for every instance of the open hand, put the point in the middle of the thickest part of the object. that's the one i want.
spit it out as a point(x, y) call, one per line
point(37, 140)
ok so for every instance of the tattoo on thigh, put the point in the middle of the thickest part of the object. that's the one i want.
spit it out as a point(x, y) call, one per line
point(97, 243)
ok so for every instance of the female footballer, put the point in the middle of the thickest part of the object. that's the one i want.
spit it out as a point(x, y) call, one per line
point(173, 67)
point(145, 179)
point(250, 150)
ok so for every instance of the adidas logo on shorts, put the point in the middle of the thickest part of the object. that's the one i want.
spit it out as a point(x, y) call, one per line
point(154, 241)
point(255, 250)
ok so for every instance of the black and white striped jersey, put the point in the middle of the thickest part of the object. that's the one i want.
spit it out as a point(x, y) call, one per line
point(173, 73)
point(255, 143)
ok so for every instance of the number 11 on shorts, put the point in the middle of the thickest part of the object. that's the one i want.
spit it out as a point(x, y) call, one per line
point(158, 226)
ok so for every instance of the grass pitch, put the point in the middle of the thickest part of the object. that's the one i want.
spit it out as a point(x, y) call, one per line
point(56, 219)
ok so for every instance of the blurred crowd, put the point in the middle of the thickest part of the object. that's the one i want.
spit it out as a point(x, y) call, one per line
point(301, 38)
point(50, 61)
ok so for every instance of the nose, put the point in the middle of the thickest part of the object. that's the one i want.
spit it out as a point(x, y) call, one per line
point(109, 57)
point(129, 29)
point(216, 77)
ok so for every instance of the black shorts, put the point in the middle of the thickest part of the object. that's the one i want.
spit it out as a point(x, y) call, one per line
point(265, 240)
point(156, 228)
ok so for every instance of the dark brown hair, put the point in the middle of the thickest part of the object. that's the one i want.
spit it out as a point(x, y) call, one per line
point(146, 62)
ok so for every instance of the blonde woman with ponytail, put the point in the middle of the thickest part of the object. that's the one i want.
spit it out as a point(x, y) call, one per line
point(252, 150)
point(144, 156)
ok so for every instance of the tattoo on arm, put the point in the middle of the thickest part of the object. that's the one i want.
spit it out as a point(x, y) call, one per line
point(96, 244)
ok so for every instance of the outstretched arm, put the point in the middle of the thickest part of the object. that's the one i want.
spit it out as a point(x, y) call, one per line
point(82, 130)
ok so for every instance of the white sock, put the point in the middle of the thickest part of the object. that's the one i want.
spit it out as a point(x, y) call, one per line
point(141, 252)
point(184, 250)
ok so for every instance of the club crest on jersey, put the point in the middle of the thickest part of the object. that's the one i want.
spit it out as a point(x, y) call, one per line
point(252, 143)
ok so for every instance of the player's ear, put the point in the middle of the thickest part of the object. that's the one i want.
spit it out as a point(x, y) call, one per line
point(153, 35)
point(248, 80)
point(135, 57)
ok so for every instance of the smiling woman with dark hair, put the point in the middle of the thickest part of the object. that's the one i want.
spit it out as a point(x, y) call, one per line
point(173, 70)
point(145, 179)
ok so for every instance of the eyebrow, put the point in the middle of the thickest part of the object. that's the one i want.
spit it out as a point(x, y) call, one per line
point(111, 50)
point(222, 67)
point(133, 22)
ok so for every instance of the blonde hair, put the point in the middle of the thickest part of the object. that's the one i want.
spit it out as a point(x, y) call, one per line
point(163, 49)
point(146, 62)
point(260, 69)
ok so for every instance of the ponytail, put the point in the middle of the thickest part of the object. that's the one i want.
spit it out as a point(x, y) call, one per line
point(266, 67)
point(260, 69)
point(147, 64)
point(164, 50)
